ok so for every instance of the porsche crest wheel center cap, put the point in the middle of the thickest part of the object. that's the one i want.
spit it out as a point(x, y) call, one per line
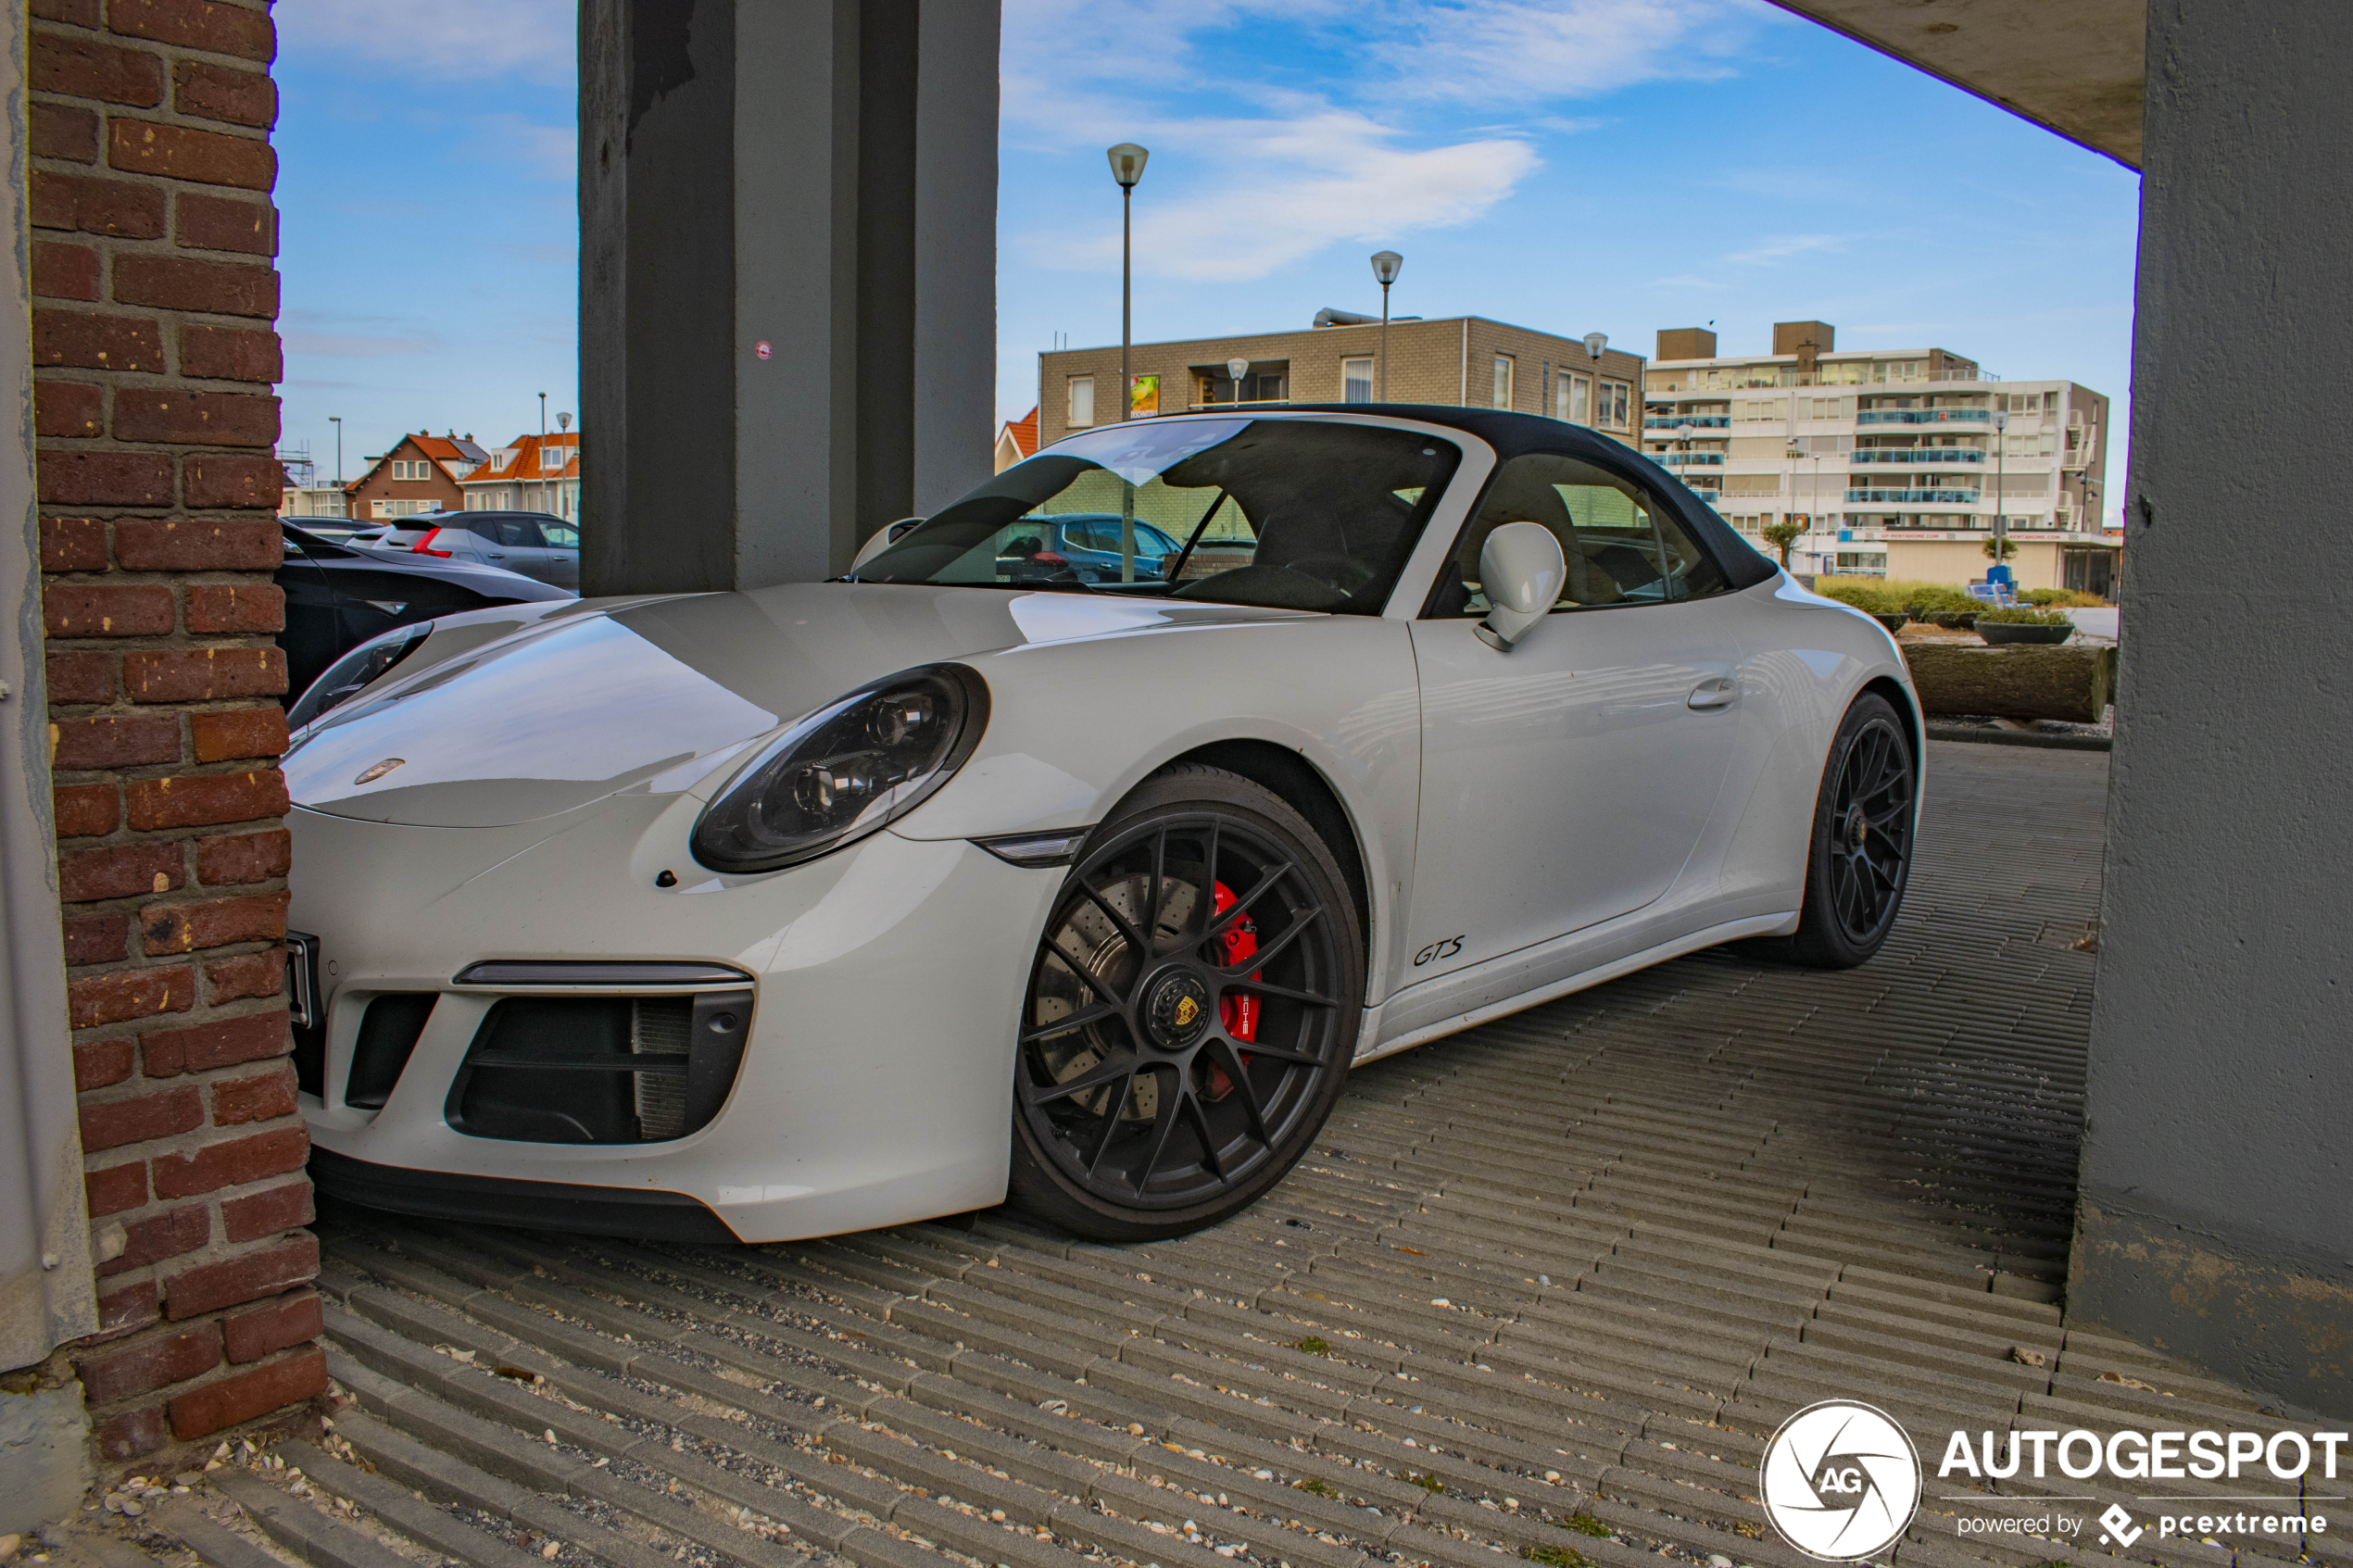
point(1857, 827)
point(1176, 1009)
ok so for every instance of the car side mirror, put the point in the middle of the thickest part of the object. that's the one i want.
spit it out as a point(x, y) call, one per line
point(884, 537)
point(1521, 568)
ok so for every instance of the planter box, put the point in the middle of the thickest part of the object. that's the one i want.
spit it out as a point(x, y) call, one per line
point(2070, 683)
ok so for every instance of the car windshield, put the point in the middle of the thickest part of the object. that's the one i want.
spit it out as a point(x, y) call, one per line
point(1293, 514)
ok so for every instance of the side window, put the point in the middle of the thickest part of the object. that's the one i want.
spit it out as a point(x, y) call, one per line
point(1621, 545)
point(520, 531)
point(561, 536)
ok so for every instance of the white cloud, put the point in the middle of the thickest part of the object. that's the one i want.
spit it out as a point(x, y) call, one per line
point(1533, 50)
point(353, 345)
point(1780, 247)
point(442, 40)
point(542, 152)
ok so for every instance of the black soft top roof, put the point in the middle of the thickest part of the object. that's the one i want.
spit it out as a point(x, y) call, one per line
point(1514, 435)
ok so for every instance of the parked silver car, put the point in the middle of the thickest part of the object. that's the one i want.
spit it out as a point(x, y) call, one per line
point(537, 544)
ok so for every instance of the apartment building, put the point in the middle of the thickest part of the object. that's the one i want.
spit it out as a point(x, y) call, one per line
point(420, 473)
point(531, 473)
point(1896, 460)
point(1462, 361)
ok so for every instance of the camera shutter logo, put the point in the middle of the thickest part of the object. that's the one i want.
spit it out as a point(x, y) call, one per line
point(1840, 1480)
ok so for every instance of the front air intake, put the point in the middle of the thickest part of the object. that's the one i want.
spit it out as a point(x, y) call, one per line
point(600, 1070)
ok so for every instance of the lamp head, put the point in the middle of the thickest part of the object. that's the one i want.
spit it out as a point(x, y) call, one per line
point(2001, 419)
point(1127, 163)
point(1595, 343)
point(1386, 266)
point(1238, 368)
point(1684, 431)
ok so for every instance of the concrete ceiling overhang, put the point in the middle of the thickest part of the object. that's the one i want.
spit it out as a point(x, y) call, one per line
point(2070, 66)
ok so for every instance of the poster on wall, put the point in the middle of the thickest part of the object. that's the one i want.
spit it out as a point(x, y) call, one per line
point(1143, 396)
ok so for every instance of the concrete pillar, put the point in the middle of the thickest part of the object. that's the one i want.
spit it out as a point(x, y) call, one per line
point(2216, 1217)
point(818, 177)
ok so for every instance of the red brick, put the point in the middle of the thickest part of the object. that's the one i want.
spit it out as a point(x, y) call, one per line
point(112, 1124)
point(183, 544)
point(251, 1335)
point(82, 677)
point(202, 674)
point(266, 1270)
point(96, 939)
point(301, 1375)
point(116, 1188)
point(140, 740)
point(203, 799)
point(225, 223)
point(98, 1063)
point(166, 1053)
point(151, 1363)
point(107, 609)
point(240, 733)
point(173, 1234)
point(217, 923)
point(96, 205)
point(196, 24)
point(81, 340)
point(251, 857)
point(81, 13)
point(129, 1309)
point(124, 871)
point(249, 974)
point(226, 606)
point(210, 92)
point(230, 353)
point(104, 479)
point(68, 408)
point(129, 1434)
point(85, 67)
point(225, 483)
point(182, 282)
point(180, 152)
point(269, 1212)
point(233, 1163)
point(62, 131)
point(64, 271)
point(201, 419)
point(85, 810)
point(73, 543)
point(129, 993)
point(262, 1098)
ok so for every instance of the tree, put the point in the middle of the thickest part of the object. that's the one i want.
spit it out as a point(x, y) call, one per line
point(1783, 534)
point(2007, 547)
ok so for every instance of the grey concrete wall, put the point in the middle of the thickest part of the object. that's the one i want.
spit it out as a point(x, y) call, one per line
point(818, 176)
point(2216, 1218)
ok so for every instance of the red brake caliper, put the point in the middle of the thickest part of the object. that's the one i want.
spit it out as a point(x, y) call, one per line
point(1238, 1013)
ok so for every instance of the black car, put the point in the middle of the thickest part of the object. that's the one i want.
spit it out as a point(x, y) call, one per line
point(338, 597)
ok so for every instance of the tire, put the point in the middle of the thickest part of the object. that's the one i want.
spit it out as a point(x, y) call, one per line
point(1860, 857)
point(1183, 1089)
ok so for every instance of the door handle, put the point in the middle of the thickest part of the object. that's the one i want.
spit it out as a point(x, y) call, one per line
point(493, 555)
point(1716, 693)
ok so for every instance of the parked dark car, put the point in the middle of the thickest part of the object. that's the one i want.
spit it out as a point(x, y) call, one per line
point(1087, 543)
point(338, 597)
point(534, 544)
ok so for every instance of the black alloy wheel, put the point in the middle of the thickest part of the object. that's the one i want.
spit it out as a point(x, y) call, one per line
point(1192, 1008)
point(1861, 854)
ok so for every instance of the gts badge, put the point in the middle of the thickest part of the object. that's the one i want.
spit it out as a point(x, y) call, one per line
point(1436, 950)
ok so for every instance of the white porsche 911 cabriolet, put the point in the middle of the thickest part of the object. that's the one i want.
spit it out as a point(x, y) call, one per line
point(775, 914)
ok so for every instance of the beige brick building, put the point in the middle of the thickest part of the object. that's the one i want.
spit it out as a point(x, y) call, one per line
point(1459, 362)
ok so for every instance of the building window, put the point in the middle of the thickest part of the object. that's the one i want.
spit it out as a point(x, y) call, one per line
point(1616, 399)
point(1503, 380)
point(1356, 379)
point(1082, 401)
point(1573, 399)
point(552, 456)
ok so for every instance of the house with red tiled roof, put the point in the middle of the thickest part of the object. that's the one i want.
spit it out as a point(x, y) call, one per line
point(420, 473)
point(1017, 440)
point(531, 473)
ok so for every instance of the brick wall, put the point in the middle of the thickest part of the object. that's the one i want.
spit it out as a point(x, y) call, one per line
point(154, 355)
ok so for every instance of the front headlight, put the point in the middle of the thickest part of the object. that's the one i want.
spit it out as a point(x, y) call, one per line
point(845, 770)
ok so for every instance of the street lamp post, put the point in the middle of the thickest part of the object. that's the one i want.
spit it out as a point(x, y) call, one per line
point(1127, 167)
point(1793, 452)
point(336, 421)
point(1386, 266)
point(1238, 368)
point(543, 416)
point(2001, 524)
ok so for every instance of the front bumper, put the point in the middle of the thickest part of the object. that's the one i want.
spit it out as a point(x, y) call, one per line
point(875, 1084)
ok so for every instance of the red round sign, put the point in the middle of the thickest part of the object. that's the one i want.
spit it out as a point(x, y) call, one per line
point(761, 348)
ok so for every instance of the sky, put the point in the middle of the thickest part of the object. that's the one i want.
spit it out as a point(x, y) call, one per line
point(1574, 166)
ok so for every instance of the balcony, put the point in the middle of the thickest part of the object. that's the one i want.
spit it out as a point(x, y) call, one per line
point(1688, 459)
point(1697, 421)
point(1925, 417)
point(1913, 497)
point(1918, 455)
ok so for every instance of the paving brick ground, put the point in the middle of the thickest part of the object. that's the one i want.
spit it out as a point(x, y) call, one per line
point(1542, 1291)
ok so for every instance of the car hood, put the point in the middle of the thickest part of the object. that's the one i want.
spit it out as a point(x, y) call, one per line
point(657, 695)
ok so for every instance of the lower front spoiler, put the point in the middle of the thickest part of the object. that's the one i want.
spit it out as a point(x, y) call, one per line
point(500, 1200)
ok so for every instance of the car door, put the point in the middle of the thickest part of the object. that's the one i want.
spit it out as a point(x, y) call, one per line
point(558, 554)
point(311, 638)
point(1567, 782)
